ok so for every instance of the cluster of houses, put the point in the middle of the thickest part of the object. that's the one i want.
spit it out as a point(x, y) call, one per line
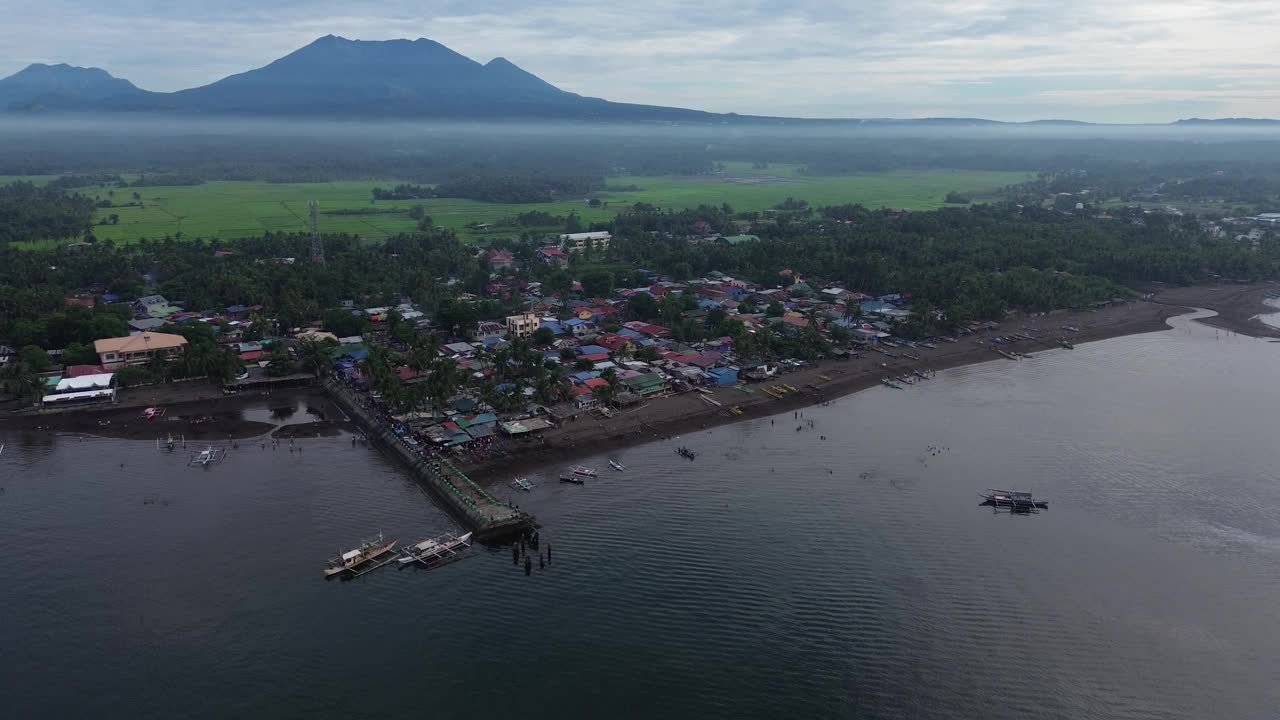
point(594, 340)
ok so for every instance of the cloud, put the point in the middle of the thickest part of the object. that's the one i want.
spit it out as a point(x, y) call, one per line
point(1144, 60)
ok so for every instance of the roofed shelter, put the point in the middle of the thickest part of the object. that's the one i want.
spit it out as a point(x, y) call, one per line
point(137, 349)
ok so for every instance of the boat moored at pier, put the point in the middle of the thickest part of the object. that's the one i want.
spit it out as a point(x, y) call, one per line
point(355, 561)
point(433, 550)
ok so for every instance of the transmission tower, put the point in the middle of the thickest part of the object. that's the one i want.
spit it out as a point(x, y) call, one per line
point(317, 245)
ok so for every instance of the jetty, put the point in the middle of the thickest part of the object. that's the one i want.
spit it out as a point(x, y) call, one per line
point(487, 517)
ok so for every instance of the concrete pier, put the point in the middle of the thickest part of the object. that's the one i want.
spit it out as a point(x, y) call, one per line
point(471, 505)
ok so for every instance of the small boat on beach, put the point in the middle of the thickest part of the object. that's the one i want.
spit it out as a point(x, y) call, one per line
point(1066, 344)
point(522, 484)
point(617, 465)
point(889, 383)
point(1009, 355)
point(569, 478)
point(911, 356)
point(685, 452)
point(584, 471)
point(1071, 328)
point(153, 413)
point(931, 346)
point(431, 550)
point(352, 560)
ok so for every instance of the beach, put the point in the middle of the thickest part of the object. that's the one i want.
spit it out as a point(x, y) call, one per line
point(201, 412)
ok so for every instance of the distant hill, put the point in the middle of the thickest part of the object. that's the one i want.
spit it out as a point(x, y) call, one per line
point(60, 87)
point(1227, 121)
point(334, 77)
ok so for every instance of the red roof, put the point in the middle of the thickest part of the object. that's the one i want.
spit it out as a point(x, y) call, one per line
point(596, 357)
point(407, 373)
point(552, 252)
point(500, 256)
point(82, 302)
point(581, 390)
point(75, 371)
point(596, 382)
point(611, 341)
point(252, 356)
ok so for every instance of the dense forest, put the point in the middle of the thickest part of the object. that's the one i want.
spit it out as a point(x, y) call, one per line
point(28, 212)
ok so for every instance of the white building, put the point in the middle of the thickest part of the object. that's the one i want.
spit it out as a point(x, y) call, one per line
point(522, 325)
point(578, 242)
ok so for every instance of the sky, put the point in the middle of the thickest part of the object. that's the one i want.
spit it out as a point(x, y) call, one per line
point(1135, 61)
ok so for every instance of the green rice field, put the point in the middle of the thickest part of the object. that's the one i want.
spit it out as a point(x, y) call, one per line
point(240, 209)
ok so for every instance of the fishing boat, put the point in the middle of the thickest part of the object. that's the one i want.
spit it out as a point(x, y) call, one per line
point(434, 549)
point(207, 457)
point(950, 339)
point(565, 477)
point(522, 484)
point(582, 470)
point(920, 374)
point(153, 413)
point(1013, 500)
point(889, 383)
point(1009, 355)
point(352, 561)
point(1071, 328)
point(905, 380)
point(1066, 344)
point(911, 356)
point(931, 346)
point(617, 465)
point(685, 452)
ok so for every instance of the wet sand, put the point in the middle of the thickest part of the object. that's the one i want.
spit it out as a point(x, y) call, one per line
point(201, 412)
point(217, 418)
point(679, 415)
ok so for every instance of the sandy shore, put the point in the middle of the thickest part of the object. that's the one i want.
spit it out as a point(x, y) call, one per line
point(672, 416)
point(1238, 306)
point(201, 412)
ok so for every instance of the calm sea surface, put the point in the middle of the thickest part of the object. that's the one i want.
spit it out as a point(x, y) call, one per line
point(779, 575)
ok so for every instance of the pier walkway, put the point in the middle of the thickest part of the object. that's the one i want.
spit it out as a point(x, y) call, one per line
point(486, 516)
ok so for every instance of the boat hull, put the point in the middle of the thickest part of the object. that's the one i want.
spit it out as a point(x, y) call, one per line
point(355, 564)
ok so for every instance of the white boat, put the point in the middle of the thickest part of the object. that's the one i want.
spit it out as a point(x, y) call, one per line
point(351, 560)
point(583, 470)
point(433, 549)
point(617, 465)
point(206, 457)
point(522, 484)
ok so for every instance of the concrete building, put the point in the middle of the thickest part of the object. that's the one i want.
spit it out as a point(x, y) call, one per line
point(522, 325)
point(137, 349)
point(579, 242)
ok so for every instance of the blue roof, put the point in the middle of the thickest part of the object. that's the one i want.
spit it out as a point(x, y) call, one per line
point(491, 341)
point(585, 375)
point(236, 308)
point(505, 387)
point(629, 333)
point(708, 304)
point(592, 350)
point(574, 322)
point(555, 327)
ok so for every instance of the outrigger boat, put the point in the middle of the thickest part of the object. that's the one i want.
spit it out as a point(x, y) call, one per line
point(685, 452)
point(352, 560)
point(889, 383)
point(1013, 500)
point(617, 465)
point(207, 457)
point(931, 346)
point(522, 484)
point(585, 471)
point(1066, 345)
point(431, 550)
point(572, 479)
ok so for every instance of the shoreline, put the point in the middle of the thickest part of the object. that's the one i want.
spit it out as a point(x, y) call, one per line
point(202, 413)
point(679, 415)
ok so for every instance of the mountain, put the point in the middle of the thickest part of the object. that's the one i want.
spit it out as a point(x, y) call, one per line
point(337, 77)
point(54, 87)
point(334, 77)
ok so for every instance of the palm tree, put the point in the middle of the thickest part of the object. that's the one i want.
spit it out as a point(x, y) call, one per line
point(21, 381)
point(316, 354)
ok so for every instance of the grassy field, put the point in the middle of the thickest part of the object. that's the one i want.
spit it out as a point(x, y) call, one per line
point(240, 209)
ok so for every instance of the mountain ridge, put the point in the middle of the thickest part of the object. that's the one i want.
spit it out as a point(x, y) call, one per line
point(338, 77)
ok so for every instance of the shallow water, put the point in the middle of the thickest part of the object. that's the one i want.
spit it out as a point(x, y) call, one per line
point(779, 574)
